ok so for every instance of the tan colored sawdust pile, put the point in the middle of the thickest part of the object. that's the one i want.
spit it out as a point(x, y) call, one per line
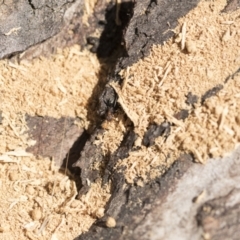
point(155, 88)
point(214, 129)
point(111, 138)
point(58, 86)
point(203, 53)
point(37, 201)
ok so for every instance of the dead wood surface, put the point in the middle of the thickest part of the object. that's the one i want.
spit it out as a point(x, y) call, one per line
point(188, 202)
point(26, 23)
point(152, 23)
point(40, 27)
point(57, 139)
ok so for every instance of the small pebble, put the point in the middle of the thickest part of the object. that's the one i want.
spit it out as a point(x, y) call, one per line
point(191, 46)
point(111, 222)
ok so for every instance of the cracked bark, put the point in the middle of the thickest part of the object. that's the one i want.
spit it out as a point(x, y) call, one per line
point(23, 24)
point(40, 27)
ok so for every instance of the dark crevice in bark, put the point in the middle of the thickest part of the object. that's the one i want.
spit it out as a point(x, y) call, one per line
point(31, 4)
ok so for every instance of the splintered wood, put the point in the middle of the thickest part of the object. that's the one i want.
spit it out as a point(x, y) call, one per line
point(204, 52)
point(37, 201)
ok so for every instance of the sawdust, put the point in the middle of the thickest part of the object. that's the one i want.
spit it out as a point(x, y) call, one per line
point(155, 87)
point(213, 129)
point(37, 201)
point(202, 55)
point(58, 86)
point(113, 134)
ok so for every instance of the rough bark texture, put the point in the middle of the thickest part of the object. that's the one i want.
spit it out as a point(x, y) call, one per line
point(26, 23)
point(151, 23)
point(232, 5)
point(219, 217)
point(130, 204)
point(180, 213)
point(76, 31)
point(188, 202)
point(40, 27)
point(90, 154)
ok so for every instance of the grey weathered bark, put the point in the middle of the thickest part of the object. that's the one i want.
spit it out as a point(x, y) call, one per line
point(40, 27)
point(26, 23)
point(189, 202)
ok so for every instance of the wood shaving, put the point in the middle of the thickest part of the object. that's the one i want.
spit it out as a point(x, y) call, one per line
point(183, 35)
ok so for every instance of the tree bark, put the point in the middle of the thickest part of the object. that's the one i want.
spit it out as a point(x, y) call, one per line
point(26, 23)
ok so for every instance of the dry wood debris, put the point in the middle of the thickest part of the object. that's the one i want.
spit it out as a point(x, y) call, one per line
point(37, 201)
point(58, 86)
point(36, 198)
point(202, 55)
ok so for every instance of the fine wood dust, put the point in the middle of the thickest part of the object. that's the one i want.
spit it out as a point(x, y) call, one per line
point(37, 201)
point(155, 88)
point(111, 138)
point(203, 53)
point(213, 129)
point(57, 86)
